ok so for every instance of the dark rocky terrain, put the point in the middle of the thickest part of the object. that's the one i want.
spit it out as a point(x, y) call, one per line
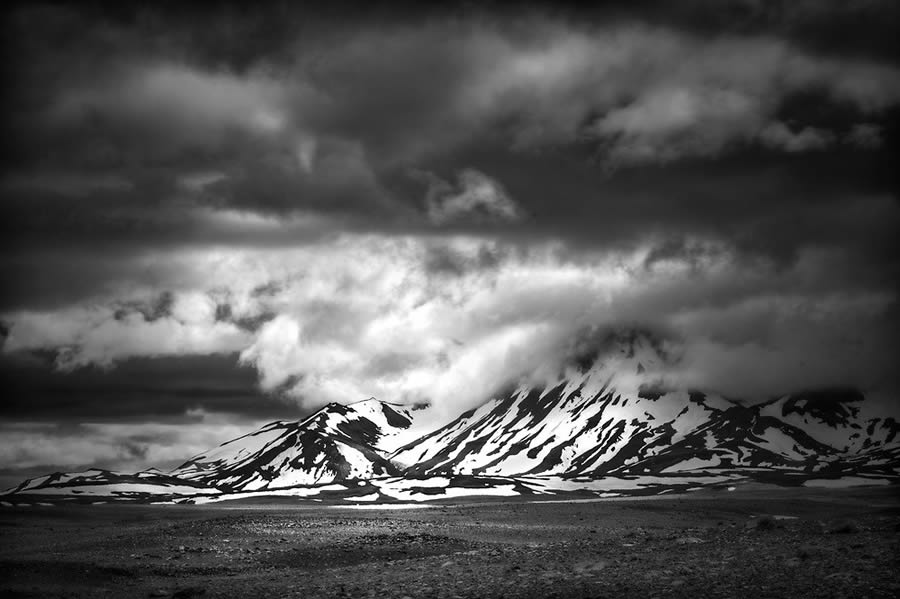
point(838, 543)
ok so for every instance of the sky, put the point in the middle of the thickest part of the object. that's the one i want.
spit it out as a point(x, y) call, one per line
point(211, 220)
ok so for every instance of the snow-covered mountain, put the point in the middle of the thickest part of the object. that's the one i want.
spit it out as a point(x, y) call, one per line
point(97, 483)
point(336, 443)
point(601, 419)
point(603, 426)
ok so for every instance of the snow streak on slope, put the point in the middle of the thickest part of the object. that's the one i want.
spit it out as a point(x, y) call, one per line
point(336, 443)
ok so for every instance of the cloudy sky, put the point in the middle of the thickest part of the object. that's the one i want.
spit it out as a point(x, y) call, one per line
point(211, 220)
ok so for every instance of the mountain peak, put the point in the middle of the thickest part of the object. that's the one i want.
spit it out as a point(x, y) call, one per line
point(375, 401)
point(338, 442)
point(622, 359)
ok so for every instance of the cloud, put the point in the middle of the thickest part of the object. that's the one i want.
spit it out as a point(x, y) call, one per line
point(865, 135)
point(779, 136)
point(311, 175)
point(188, 106)
point(117, 446)
point(327, 120)
point(656, 95)
point(475, 198)
point(135, 389)
point(366, 315)
point(672, 123)
point(102, 335)
point(176, 143)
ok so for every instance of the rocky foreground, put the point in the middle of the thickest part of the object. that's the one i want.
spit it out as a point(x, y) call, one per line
point(762, 542)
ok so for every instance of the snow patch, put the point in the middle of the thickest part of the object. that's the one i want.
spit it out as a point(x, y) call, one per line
point(845, 482)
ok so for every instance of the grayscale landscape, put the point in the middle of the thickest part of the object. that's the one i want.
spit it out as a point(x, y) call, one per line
point(450, 300)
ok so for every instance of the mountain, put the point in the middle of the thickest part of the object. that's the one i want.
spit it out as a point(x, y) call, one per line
point(605, 425)
point(600, 419)
point(338, 442)
point(94, 483)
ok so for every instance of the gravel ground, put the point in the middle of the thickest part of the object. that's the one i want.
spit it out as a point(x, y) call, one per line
point(712, 544)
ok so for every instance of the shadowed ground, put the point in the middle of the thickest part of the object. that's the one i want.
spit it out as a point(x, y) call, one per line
point(839, 543)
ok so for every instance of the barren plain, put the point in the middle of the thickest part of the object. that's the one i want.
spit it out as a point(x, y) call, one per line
point(758, 541)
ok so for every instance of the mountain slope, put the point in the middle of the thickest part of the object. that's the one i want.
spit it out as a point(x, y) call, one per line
point(600, 421)
point(97, 483)
point(336, 443)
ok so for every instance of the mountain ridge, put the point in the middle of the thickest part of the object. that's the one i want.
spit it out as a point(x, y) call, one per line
point(600, 419)
point(286, 453)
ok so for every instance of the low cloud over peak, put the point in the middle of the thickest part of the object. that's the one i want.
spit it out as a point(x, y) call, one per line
point(366, 315)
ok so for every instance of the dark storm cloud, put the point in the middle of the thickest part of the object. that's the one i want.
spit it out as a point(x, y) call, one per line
point(133, 129)
point(821, 25)
point(761, 203)
point(139, 389)
point(325, 117)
